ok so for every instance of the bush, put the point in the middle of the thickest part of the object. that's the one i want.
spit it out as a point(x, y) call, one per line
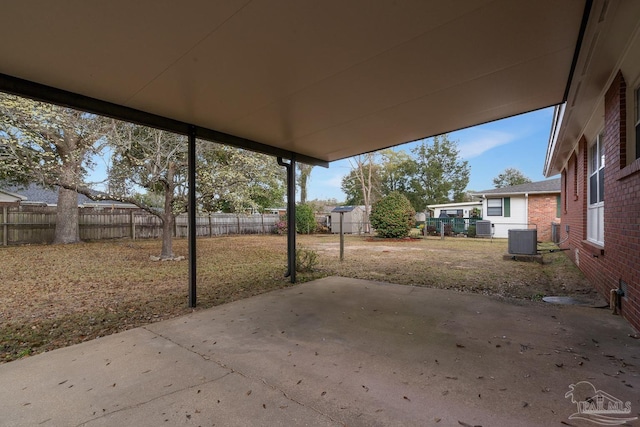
point(305, 219)
point(471, 231)
point(306, 260)
point(280, 227)
point(392, 216)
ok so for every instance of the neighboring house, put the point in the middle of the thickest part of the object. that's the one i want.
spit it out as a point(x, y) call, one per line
point(595, 146)
point(353, 221)
point(531, 205)
point(37, 195)
point(455, 210)
point(8, 198)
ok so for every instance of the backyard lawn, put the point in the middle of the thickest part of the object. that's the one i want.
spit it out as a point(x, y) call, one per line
point(55, 296)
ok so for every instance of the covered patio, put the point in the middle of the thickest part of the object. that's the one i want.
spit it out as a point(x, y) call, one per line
point(315, 82)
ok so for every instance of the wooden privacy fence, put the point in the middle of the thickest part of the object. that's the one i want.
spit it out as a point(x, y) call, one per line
point(37, 225)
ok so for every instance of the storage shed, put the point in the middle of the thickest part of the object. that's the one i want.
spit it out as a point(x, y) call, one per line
point(354, 221)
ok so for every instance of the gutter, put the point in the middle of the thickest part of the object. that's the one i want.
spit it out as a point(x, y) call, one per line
point(558, 115)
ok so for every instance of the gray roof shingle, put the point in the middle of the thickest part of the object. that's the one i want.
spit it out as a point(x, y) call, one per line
point(547, 186)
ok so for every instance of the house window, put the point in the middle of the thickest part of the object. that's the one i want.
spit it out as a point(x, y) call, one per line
point(494, 207)
point(452, 213)
point(595, 212)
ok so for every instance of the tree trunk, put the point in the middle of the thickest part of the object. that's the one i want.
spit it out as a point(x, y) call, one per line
point(168, 219)
point(167, 236)
point(67, 217)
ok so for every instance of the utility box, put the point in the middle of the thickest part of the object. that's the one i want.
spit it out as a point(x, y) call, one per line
point(523, 242)
point(555, 232)
point(483, 228)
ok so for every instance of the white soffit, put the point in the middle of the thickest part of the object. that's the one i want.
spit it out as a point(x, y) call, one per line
point(611, 44)
point(328, 79)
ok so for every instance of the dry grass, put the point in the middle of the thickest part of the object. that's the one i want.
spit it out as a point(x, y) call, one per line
point(54, 296)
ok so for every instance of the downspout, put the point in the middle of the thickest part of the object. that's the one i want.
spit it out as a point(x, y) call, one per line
point(526, 208)
point(291, 217)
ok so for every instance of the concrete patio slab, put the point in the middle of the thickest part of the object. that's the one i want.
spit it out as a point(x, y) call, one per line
point(335, 351)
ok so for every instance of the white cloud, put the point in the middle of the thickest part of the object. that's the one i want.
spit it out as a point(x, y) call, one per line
point(333, 182)
point(479, 141)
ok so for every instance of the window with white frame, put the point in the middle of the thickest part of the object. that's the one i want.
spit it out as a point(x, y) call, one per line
point(595, 210)
point(494, 207)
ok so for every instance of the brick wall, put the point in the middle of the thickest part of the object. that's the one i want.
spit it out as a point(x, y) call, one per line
point(619, 260)
point(542, 212)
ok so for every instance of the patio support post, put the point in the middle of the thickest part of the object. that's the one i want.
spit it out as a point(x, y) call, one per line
point(341, 237)
point(291, 217)
point(192, 214)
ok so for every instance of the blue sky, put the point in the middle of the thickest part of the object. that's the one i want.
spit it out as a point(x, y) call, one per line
point(517, 142)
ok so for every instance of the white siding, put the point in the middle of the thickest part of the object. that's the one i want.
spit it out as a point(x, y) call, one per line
point(516, 220)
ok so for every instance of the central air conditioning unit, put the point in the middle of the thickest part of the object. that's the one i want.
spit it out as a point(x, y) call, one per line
point(483, 229)
point(523, 242)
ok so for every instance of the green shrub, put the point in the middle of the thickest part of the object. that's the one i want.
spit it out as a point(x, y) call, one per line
point(305, 219)
point(471, 231)
point(392, 216)
point(306, 260)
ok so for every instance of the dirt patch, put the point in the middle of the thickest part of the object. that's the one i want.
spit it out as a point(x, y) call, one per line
point(54, 296)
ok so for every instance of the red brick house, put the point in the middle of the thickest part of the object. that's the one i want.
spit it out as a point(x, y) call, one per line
point(595, 146)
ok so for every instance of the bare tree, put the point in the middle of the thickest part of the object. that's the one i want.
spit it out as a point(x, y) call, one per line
point(363, 166)
point(303, 179)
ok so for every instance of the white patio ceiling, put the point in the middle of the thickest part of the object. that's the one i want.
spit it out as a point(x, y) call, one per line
point(322, 79)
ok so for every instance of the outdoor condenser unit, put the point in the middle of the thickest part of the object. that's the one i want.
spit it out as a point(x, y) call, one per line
point(483, 228)
point(523, 242)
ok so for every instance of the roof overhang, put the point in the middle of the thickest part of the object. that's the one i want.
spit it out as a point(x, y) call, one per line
point(318, 81)
point(611, 43)
point(454, 205)
point(9, 197)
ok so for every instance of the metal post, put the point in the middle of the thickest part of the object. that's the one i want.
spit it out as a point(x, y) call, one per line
point(192, 215)
point(341, 237)
point(291, 217)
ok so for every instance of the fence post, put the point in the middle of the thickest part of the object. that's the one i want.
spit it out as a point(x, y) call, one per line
point(238, 221)
point(210, 226)
point(5, 226)
point(132, 219)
